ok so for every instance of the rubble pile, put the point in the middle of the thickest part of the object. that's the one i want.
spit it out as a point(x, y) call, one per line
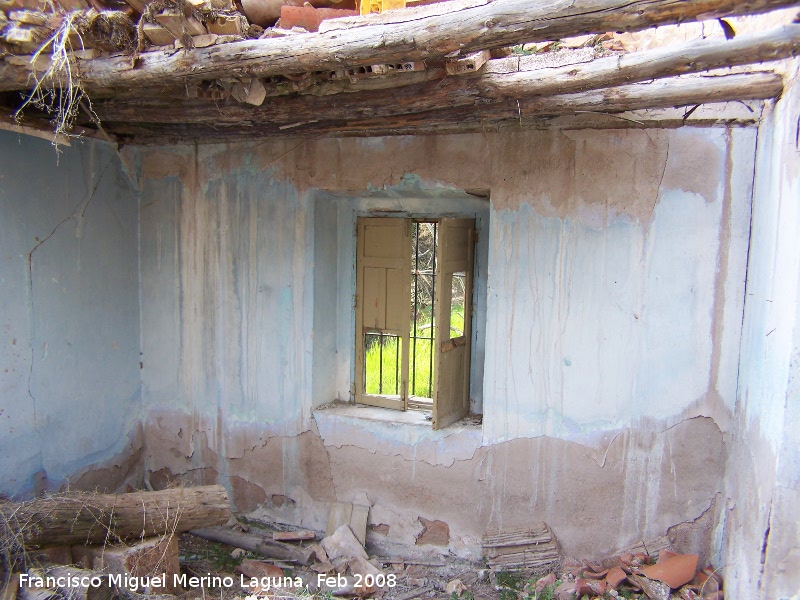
point(108, 547)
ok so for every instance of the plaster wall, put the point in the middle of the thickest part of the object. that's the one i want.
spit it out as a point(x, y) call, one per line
point(614, 274)
point(762, 549)
point(70, 398)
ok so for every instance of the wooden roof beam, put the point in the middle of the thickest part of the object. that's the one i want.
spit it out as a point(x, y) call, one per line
point(410, 36)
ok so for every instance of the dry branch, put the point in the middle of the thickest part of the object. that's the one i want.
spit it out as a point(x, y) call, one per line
point(409, 37)
point(256, 543)
point(101, 518)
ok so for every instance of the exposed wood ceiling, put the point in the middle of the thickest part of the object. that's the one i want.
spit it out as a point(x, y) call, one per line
point(299, 84)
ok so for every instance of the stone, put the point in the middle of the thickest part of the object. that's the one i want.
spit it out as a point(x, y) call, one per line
point(343, 544)
point(655, 590)
point(456, 586)
point(360, 568)
point(674, 569)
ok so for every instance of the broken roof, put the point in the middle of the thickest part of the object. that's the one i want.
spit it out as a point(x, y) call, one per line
point(177, 70)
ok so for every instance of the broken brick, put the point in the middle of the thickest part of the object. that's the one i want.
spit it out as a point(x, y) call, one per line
point(590, 587)
point(675, 570)
point(595, 575)
point(615, 576)
point(565, 590)
point(309, 17)
point(545, 581)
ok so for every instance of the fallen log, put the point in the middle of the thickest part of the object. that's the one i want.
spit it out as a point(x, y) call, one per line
point(262, 545)
point(102, 518)
point(457, 27)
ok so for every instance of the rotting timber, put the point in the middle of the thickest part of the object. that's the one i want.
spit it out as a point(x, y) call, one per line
point(455, 27)
point(166, 95)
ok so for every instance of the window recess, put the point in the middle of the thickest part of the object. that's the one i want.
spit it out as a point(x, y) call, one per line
point(413, 315)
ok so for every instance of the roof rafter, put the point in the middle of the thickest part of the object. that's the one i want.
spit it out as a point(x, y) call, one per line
point(410, 35)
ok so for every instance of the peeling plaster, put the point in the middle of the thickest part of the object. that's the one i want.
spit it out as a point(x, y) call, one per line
point(614, 302)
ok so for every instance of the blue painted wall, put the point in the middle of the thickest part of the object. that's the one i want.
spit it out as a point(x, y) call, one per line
point(69, 311)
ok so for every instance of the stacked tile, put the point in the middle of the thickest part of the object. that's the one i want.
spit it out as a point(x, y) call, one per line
point(523, 548)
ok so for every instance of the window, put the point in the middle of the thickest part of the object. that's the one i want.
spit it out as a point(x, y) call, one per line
point(413, 315)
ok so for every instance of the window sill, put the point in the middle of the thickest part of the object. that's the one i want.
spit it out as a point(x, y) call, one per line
point(389, 431)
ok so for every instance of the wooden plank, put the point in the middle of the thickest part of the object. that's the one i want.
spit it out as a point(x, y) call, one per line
point(293, 536)
point(358, 522)
point(179, 25)
point(471, 63)
point(339, 514)
point(427, 38)
point(157, 34)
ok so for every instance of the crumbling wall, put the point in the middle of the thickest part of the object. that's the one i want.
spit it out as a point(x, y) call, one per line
point(69, 349)
point(762, 536)
point(614, 282)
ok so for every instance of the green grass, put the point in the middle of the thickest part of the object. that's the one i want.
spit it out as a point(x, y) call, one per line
point(420, 370)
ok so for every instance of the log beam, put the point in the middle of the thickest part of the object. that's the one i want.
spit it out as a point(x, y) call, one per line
point(101, 518)
point(403, 103)
point(477, 25)
point(666, 93)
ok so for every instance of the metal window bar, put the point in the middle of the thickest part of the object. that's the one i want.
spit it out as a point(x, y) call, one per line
point(378, 374)
point(423, 296)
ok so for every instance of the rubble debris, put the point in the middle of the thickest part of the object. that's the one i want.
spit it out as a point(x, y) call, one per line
point(343, 544)
point(345, 513)
point(109, 31)
point(655, 590)
point(455, 587)
point(615, 576)
point(590, 587)
point(673, 569)
point(523, 548)
point(543, 582)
